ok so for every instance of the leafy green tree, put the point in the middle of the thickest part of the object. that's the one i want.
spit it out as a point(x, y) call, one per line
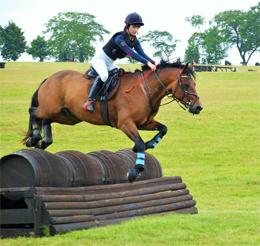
point(196, 42)
point(162, 42)
point(241, 28)
point(211, 45)
point(39, 48)
point(196, 21)
point(214, 45)
point(1, 35)
point(192, 52)
point(72, 36)
point(12, 42)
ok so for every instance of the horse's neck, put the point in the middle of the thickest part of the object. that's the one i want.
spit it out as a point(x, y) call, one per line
point(156, 89)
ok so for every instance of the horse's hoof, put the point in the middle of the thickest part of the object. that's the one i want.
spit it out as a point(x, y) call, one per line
point(28, 142)
point(31, 142)
point(133, 175)
point(135, 149)
point(42, 145)
point(38, 145)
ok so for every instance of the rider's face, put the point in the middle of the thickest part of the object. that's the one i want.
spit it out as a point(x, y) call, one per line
point(133, 29)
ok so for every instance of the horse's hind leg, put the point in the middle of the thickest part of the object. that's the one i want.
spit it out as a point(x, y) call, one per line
point(48, 140)
point(36, 129)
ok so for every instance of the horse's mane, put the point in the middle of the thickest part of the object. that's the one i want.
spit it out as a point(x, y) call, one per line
point(164, 64)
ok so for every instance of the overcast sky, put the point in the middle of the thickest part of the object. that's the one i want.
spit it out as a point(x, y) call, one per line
point(161, 15)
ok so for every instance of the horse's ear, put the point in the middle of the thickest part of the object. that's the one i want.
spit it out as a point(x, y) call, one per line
point(191, 66)
point(185, 69)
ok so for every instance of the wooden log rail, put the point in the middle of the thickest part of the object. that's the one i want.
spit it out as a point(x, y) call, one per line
point(87, 198)
point(104, 189)
point(120, 202)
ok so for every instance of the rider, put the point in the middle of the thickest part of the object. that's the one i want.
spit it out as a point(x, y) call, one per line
point(119, 46)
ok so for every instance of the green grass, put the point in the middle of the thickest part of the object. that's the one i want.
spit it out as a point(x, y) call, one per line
point(216, 153)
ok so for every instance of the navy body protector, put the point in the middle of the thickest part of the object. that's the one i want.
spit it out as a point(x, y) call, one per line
point(112, 49)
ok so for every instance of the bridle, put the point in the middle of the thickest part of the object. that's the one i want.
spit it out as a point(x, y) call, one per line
point(185, 93)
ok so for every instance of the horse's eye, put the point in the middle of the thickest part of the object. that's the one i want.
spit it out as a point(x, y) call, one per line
point(186, 85)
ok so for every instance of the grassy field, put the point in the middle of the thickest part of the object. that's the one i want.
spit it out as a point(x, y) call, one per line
point(216, 153)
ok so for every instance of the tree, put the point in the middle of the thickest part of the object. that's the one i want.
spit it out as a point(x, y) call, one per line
point(241, 28)
point(195, 43)
point(12, 42)
point(211, 45)
point(196, 21)
point(162, 42)
point(1, 36)
point(39, 48)
point(73, 35)
point(214, 45)
point(192, 52)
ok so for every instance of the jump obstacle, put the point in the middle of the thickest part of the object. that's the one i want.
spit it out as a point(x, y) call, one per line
point(70, 190)
point(209, 68)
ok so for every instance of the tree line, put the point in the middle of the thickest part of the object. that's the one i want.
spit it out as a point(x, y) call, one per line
point(73, 36)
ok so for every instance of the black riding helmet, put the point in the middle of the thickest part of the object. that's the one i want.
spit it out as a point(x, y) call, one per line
point(134, 19)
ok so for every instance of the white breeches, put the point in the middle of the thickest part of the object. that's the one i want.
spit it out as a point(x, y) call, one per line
point(102, 64)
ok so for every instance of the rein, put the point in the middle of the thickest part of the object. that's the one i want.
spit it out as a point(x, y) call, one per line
point(172, 95)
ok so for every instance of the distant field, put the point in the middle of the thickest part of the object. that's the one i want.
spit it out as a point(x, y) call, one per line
point(216, 153)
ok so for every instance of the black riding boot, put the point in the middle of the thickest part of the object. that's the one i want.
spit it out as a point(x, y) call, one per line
point(97, 85)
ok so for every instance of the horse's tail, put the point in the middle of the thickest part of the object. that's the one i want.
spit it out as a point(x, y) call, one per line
point(34, 103)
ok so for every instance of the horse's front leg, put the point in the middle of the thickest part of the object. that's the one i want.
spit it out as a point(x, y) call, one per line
point(154, 126)
point(130, 129)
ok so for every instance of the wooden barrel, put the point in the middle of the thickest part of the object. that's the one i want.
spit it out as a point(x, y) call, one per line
point(153, 167)
point(115, 166)
point(34, 168)
point(108, 165)
point(122, 167)
point(129, 158)
point(86, 170)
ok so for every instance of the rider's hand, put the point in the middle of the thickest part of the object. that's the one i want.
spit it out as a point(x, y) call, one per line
point(152, 66)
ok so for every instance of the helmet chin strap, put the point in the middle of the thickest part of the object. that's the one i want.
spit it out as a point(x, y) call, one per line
point(130, 35)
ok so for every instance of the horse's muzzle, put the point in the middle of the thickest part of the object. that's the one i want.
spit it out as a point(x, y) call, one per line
point(195, 108)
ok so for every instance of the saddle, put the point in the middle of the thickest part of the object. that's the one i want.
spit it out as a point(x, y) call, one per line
point(110, 87)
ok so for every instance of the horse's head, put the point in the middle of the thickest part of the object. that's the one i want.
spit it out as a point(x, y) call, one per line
point(184, 91)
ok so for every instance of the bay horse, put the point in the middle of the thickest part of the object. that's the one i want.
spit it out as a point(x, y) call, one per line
point(60, 97)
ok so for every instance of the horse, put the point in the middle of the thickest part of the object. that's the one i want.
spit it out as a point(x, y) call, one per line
point(59, 99)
